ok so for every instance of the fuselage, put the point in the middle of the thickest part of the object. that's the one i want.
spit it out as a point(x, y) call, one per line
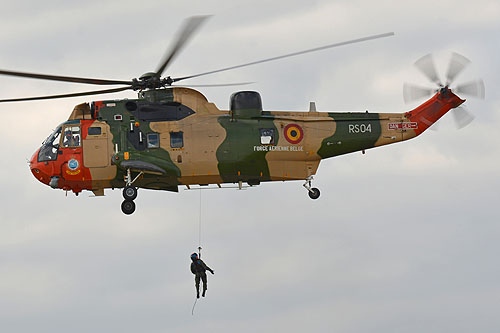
point(173, 137)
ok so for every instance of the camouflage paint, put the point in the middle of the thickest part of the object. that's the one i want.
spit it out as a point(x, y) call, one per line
point(237, 157)
point(219, 147)
point(354, 132)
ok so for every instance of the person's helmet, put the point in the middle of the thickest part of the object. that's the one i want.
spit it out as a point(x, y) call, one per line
point(194, 256)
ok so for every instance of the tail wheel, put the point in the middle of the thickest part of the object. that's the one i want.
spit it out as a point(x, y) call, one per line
point(128, 207)
point(314, 193)
point(129, 193)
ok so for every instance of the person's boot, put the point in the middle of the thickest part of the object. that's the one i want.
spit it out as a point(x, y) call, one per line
point(198, 294)
point(204, 291)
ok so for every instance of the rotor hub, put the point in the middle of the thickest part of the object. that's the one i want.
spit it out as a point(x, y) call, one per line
point(445, 91)
point(150, 80)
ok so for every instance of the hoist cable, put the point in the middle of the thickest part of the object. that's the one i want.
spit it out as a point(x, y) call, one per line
point(199, 248)
point(199, 222)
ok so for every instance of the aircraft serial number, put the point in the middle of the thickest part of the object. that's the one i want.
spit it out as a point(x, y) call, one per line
point(360, 128)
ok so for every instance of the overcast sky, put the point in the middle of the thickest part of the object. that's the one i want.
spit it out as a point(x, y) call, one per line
point(402, 239)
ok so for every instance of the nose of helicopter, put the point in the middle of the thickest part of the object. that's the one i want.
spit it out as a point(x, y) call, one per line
point(38, 169)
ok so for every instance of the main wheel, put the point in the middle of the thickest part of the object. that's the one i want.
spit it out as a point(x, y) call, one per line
point(128, 207)
point(129, 193)
point(314, 193)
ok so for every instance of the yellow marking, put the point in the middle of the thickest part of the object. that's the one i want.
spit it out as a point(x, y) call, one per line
point(126, 155)
point(73, 173)
point(261, 173)
point(239, 173)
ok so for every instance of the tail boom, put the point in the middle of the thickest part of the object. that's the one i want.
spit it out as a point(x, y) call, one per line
point(431, 111)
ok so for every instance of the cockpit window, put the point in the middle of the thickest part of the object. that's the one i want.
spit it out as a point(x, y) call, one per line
point(48, 151)
point(71, 136)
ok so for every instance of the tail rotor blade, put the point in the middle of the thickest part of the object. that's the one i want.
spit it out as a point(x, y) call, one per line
point(457, 64)
point(473, 88)
point(462, 117)
point(427, 67)
point(413, 92)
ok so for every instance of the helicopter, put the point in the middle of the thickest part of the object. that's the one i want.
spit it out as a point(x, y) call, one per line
point(172, 136)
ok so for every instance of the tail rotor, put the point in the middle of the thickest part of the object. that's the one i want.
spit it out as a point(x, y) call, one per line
point(427, 66)
point(457, 64)
point(412, 92)
point(462, 117)
point(472, 89)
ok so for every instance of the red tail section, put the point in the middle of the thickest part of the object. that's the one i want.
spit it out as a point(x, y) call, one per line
point(436, 107)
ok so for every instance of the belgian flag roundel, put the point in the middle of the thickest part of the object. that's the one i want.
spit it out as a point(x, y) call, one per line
point(293, 133)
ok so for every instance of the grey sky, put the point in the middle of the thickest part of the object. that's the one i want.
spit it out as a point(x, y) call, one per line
point(403, 239)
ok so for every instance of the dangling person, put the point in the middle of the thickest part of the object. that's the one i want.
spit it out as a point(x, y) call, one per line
point(199, 268)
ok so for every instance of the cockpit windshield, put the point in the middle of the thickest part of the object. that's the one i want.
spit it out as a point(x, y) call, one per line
point(48, 151)
point(71, 136)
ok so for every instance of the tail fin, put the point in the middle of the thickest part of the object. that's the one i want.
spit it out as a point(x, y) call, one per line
point(431, 111)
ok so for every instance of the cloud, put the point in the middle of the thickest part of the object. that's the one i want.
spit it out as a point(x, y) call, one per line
point(398, 239)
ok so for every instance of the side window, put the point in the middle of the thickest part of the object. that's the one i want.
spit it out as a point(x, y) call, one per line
point(94, 131)
point(176, 139)
point(267, 136)
point(153, 140)
point(71, 136)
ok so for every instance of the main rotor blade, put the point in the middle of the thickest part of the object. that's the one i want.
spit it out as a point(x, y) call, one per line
point(457, 64)
point(64, 78)
point(190, 26)
point(213, 85)
point(474, 89)
point(462, 117)
point(427, 67)
point(85, 93)
point(413, 92)
point(359, 40)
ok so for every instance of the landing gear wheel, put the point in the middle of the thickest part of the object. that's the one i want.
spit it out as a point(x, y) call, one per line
point(314, 193)
point(129, 193)
point(128, 207)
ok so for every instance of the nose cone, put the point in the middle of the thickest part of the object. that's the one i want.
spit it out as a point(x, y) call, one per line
point(39, 169)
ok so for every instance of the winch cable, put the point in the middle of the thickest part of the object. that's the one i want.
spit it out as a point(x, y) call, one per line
point(199, 248)
point(199, 229)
